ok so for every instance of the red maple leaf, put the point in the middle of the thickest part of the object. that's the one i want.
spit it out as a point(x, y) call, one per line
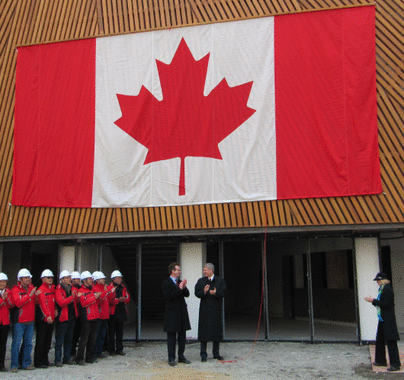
point(185, 123)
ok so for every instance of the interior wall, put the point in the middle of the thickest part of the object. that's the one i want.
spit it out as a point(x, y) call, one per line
point(11, 262)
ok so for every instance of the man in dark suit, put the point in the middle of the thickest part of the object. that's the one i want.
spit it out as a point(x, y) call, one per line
point(210, 289)
point(176, 320)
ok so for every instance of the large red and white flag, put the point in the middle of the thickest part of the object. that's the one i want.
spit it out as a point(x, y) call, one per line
point(270, 108)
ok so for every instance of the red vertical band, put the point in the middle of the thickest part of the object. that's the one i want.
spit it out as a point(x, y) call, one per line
point(326, 109)
point(54, 125)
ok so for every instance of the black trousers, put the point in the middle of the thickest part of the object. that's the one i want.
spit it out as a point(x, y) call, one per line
point(381, 342)
point(215, 349)
point(171, 340)
point(115, 335)
point(43, 343)
point(89, 331)
point(76, 336)
point(3, 343)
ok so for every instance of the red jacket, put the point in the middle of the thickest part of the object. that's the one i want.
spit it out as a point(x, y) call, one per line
point(89, 305)
point(24, 302)
point(114, 301)
point(75, 290)
point(46, 301)
point(63, 302)
point(106, 296)
point(5, 305)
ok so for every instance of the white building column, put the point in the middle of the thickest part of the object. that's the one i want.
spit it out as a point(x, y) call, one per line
point(192, 259)
point(67, 256)
point(367, 266)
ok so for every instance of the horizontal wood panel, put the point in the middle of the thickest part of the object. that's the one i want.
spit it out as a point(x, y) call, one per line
point(37, 21)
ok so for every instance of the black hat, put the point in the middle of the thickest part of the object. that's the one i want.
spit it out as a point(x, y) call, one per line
point(381, 276)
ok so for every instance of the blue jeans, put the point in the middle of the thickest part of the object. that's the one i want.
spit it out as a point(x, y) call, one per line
point(64, 337)
point(22, 333)
point(102, 333)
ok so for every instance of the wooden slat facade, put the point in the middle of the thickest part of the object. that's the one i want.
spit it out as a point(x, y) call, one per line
point(25, 22)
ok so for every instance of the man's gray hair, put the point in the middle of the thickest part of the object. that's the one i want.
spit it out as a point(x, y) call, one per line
point(209, 266)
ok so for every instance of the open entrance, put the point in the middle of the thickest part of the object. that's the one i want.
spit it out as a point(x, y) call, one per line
point(240, 263)
point(309, 287)
point(311, 290)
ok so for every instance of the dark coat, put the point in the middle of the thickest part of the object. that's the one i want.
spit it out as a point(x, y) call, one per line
point(210, 310)
point(176, 311)
point(386, 304)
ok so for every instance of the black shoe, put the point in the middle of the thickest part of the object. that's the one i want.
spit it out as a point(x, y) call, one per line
point(80, 362)
point(3, 369)
point(120, 353)
point(379, 364)
point(391, 369)
point(40, 366)
point(203, 359)
point(218, 357)
point(102, 356)
point(68, 362)
point(112, 353)
point(172, 363)
point(59, 364)
point(184, 360)
point(90, 361)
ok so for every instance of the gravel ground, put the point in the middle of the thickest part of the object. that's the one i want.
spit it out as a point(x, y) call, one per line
point(148, 360)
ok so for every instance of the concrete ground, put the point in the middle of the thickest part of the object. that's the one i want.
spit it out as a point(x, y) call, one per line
point(266, 360)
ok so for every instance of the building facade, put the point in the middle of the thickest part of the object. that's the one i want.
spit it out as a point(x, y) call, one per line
point(308, 262)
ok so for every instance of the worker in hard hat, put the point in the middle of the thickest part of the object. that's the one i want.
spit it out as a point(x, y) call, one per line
point(76, 285)
point(45, 318)
point(118, 314)
point(90, 319)
point(66, 305)
point(6, 303)
point(24, 297)
point(106, 296)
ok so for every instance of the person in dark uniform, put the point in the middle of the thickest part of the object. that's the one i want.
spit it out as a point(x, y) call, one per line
point(387, 332)
point(210, 289)
point(176, 320)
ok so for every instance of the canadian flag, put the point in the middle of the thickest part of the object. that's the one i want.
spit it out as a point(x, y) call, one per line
point(260, 109)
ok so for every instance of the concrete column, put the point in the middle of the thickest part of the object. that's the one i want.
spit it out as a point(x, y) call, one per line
point(67, 258)
point(1, 257)
point(192, 259)
point(367, 266)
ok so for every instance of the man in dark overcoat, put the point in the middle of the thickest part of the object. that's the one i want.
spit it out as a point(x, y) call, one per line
point(387, 332)
point(176, 320)
point(210, 289)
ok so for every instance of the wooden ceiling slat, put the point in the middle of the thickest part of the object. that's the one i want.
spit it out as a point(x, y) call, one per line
point(157, 218)
point(296, 212)
point(146, 14)
point(121, 19)
point(147, 220)
point(250, 215)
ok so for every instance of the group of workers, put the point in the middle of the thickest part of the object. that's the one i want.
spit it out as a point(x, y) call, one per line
point(82, 307)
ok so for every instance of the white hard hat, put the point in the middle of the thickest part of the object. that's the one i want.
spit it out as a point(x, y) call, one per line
point(46, 273)
point(3, 277)
point(85, 274)
point(64, 273)
point(97, 275)
point(24, 272)
point(116, 273)
point(76, 274)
